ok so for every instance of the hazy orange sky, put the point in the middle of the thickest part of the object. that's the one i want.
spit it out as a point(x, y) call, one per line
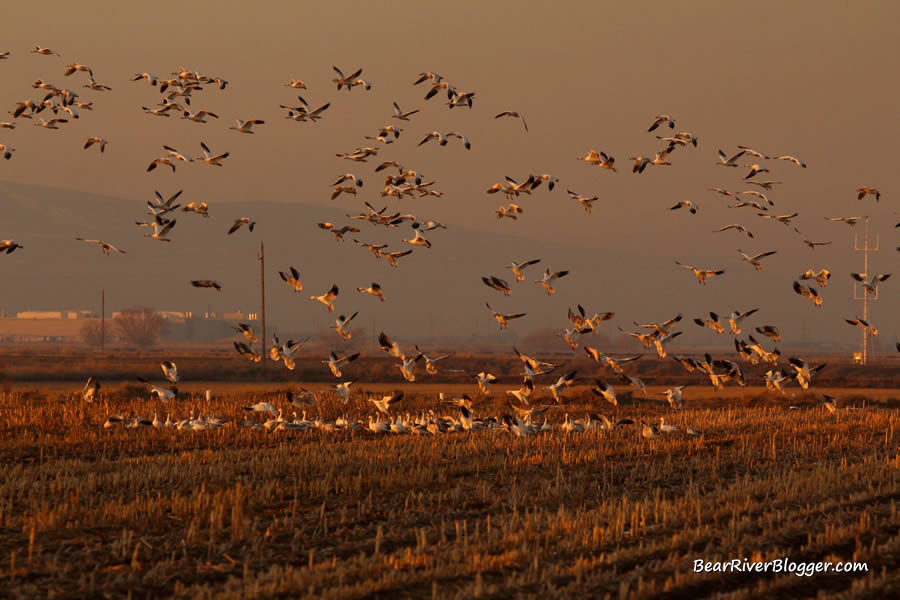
point(813, 79)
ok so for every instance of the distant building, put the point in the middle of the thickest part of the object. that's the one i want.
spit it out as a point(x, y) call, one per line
point(57, 314)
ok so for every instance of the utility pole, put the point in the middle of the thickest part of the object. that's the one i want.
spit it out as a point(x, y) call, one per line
point(262, 300)
point(865, 249)
point(102, 319)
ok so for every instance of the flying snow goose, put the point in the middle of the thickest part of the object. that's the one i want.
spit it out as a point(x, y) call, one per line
point(43, 51)
point(605, 391)
point(163, 394)
point(660, 120)
point(485, 380)
point(548, 277)
point(514, 114)
point(389, 345)
point(759, 195)
point(418, 240)
point(711, 323)
point(722, 191)
point(563, 382)
point(431, 361)
point(753, 152)
point(327, 298)
point(673, 396)
point(821, 277)
point(805, 373)
point(735, 320)
point(161, 161)
point(151, 79)
point(240, 222)
point(766, 185)
point(6, 151)
point(808, 292)
point(206, 283)
point(407, 366)
point(523, 393)
point(374, 290)
point(865, 189)
point(161, 229)
point(247, 332)
point(871, 286)
point(725, 161)
point(701, 274)
point(246, 126)
point(792, 159)
point(754, 260)
point(749, 203)
point(262, 407)
point(691, 206)
point(199, 116)
point(755, 170)
point(497, 284)
point(104, 246)
point(356, 180)
point(341, 323)
point(434, 135)
point(640, 163)
point(512, 211)
point(51, 124)
point(502, 319)
point(96, 140)
point(402, 115)
point(176, 155)
point(292, 278)
point(393, 256)
point(387, 402)
point(334, 362)
point(602, 160)
point(211, 159)
point(170, 370)
point(201, 209)
point(338, 233)
point(783, 219)
point(769, 331)
point(812, 245)
point(862, 323)
point(98, 87)
point(737, 227)
point(245, 350)
point(586, 201)
point(296, 84)
point(346, 81)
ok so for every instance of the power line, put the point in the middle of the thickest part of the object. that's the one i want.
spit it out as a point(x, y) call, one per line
point(865, 249)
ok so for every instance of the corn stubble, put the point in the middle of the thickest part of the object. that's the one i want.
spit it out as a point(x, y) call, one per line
point(241, 513)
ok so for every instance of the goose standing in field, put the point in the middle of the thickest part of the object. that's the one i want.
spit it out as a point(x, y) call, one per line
point(586, 201)
point(865, 189)
point(374, 290)
point(691, 206)
point(170, 371)
point(328, 297)
point(649, 431)
point(247, 332)
point(246, 126)
point(91, 390)
point(737, 227)
point(754, 260)
point(96, 140)
point(821, 277)
point(431, 362)
point(503, 319)
point(735, 320)
point(104, 246)
point(163, 394)
point(701, 274)
point(340, 325)
point(247, 352)
point(667, 428)
point(334, 362)
point(851, 221)
point(549, 277)
point(292, 278)
point(808, 292)
point(514, 114)
point(206, 283)
point(213, 159)
point(871, 286)
point(240, 222)
point(811, 244)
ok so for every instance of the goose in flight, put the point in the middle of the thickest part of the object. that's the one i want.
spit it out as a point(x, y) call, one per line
point(514, 114)
point(170, 371)
point(51, 124)
point(485, 380)
point(523, 393)
point(754, 260)
point(206, 283)
point(393, 256)
point(851, 221)
point(735, 320)
point(327, 298)
point(749, 203)
point(151, 79)
point(98, 87)
point(341, 323)
point(865, 189)
point(562, 383)
point(161, 161)
point(387, 402)
point(586, 201)
point(871, 286)
point(753, 152)
point(725, 161)
point(292, 278)
point(701, 274)
point(389, 345)
point(418, 240)
point(348, 176)
point(334, 362)
point(660, 120)
point(358, 155)
point(431, 362)
point(407, 366)
point(343, 390)
point(176, 155)
point(104, 246)
point(759, 195)
point(201, 209)
point(517, 268)
point(9, 246)
point(246, 126)
point(350, 80)
point(792, 159)
point(240, 222)
point(821, 277)
point(605, 391)
point(783, 219)
point(296, 84)
point(338, 233)
point(766, 185)
point(161, 229)
point(805, 373)
point(812, 245)
point(691, 206)
point(497, 284)
point(862, 323)
point(247, 332)
point(502, 319)
point(211, 159)
point(808, 292)
point(199, 116)
point(769, 331)
point(262, 407)
point(673, 396)
point(548, 277)
point(43, 51)
point(96, 140)
point(512, 211)
point(162, 111)
point(245, 350)
point(719, 190)
point(755, 170)
point(375, 249)
point(6, 151)
point(163, 394)
point(736, 227)
point(711, 323)
point(401, 115)
point(602, 160)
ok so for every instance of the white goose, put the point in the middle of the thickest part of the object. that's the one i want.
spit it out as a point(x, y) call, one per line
point(754, 260)
point(328, 297)
point(246, 126)
point(212, 159)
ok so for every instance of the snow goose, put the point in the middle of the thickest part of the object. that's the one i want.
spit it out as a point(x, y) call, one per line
point(386, 403)
point(759, 195)
point(212, 159)
point(334, 362)
point(389, 345)
point(151, 79)
point(783, 219)
point(247, 332)
point(497, 284)
point(737, 227)
point(749, 203)
point(725, 161)
point(407, 366)
point(245, 351)
point(6, 151)
point(161, 229)
point(431, 361)
point(328, 297)
point(502, 319)
point(104, 246)
point(640, 163)
point(735, 320)
point(549, 277)
point(514, 114)
point(164, 394)
point(262, 407)
point(766, 185)
point(512, 211)
point(341, 323)
point(246, 126)
point(296, 84)
point(792, 159)
point(661, 120)
point(51, 124)
point(201, 209)
point(660, 342)
point(522, 394)
point(343, 390)
point(402, 115)
point(91, 390)
point(691, 206)
point(170, 371)
point(865, 189)
point(722, 191)
point(648, 430)
point(418, 240)
point(460, 99)
point(374, 290)
point(346, 81)
point(484, 381)
point(356, 180)
point(393, 256)
point(812, 245)
point(635, 382)
point(602, 160)
point(562, 383)
point(586, 201)
point(701, 274)
point(821, 277)
point(96, 140)
point(605, 391)
point(805, 373)
point(292, 278)
point(667, 428)
point(769, 331)
point(97, 87)
point(199, 116)
point(43, 51)
point(851, 221)
point(673, 396)
point(808, 292)
point(754, 260)
point(176, 155)
point(711, 323)
point(871, 286)
point(240, 222)
point(206, 283)
point(338, 233)
point(755, 170)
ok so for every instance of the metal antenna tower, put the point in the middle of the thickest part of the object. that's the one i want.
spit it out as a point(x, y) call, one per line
point(866, 296)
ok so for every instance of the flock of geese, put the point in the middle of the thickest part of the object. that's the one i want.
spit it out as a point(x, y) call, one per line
point(176, 94)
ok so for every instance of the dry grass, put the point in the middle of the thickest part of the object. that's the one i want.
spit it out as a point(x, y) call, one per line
point(239, 513)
